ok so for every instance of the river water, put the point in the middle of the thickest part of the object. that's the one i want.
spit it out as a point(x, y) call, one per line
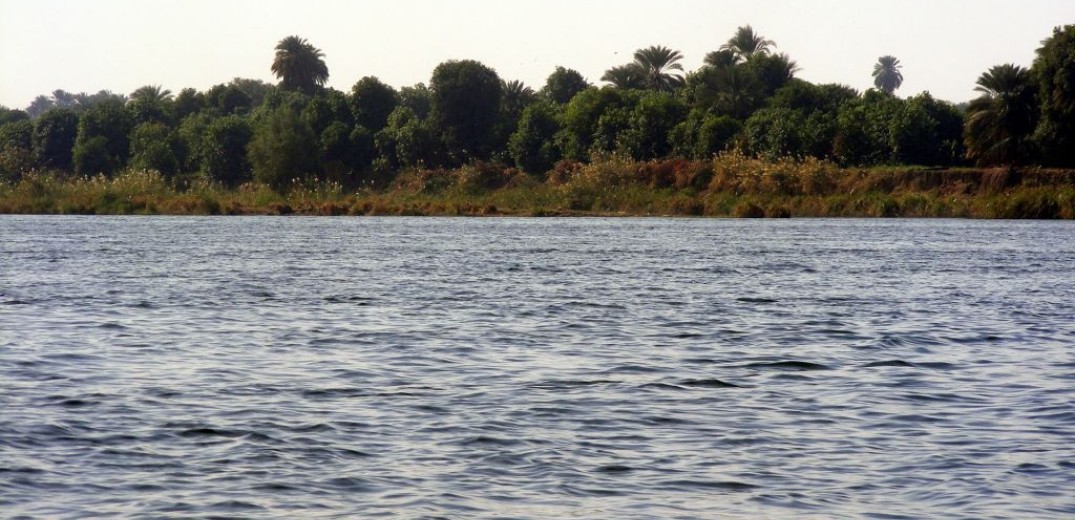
point(295, 367)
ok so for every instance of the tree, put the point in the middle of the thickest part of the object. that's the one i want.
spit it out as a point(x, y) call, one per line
point(1000, 121)
point(54, 138)
point(927, 132)
point(746, 43)
point(8, 115)
point(223, 149)
point(732, 90)
point(40, 105)
point(189, 101)
point(151, 103)
point(517, 96)
point(91, 156)
point(563, 84)
point(466, 108)
point(886, 74)
point(417, 98)
point(153, 147)
point(863, 129)
point(227, 99)
point(255, 89)
point(650, 125)
point(772, 71)
point(407, 141)
point(533, 145)
point(721, 59)
point(328, 107)
point(588, 115)
point(16, 153)
point(657, 64)
point(629, 76)
point(104, 125)
point(299, 65)
point(702, 135)
point(283, 148)
point(1054, 72)
point(800, 119)
point(372, 102)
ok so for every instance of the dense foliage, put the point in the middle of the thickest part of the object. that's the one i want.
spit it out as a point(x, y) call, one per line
point(744, 96)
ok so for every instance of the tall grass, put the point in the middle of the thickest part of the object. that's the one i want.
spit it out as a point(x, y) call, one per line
point(730, 184)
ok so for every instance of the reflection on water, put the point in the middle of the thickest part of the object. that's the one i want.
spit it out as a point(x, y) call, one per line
point(549, 368)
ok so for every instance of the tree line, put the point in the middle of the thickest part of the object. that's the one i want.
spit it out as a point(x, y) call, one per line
point(745, 96)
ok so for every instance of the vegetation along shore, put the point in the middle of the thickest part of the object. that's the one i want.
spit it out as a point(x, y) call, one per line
point(739, 136)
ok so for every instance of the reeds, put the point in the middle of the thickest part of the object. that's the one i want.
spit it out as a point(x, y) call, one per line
point(730, 184)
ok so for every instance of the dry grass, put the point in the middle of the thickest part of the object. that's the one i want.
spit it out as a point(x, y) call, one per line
point(730, 184)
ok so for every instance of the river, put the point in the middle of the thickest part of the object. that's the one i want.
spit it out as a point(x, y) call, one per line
point(299, 367)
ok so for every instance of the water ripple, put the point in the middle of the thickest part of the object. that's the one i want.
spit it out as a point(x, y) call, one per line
point(549, 368)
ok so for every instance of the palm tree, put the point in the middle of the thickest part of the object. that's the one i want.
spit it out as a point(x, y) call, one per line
point(39, 105)
point(720, 59)
point(515, 97)
point(629, 76)
point(151, 94)
point(747, 43)
point(299, 65)
point(1001, 120)
point(886, 74)
point(731, 90)
point(516, 90)
point(656, 63)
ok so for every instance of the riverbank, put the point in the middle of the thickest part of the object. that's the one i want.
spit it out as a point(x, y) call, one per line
point(730, 185)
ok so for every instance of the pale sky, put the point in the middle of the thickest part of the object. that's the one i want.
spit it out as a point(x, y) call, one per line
point(120, 45)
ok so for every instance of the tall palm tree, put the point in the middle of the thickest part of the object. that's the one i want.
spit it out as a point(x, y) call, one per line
point(629, 76)
point(747, 43)
point(657, 63)
point(1001, 120)
point(886, 74)
point(299, 65)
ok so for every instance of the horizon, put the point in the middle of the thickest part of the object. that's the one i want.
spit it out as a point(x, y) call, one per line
point(199, 44)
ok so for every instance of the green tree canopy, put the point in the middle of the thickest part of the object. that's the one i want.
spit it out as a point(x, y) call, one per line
point(151, 103)
point(54, 138)
point(887, 76)
point(189, 101)
point(1000, 121)
point(747, 43)
point(1054, 72)
point(466, 107)
point(224, 150)
point(563, 84)
point(417, 98)
point(629, 76)
point(299, 65)
point(153, 147)
point(283, 149)
point(657, 64)
point(371, 103)
point(533, 145)
point(107, 124)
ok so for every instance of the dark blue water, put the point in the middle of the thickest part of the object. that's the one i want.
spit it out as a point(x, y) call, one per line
point(518, 368)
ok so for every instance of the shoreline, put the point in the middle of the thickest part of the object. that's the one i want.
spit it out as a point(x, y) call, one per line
point(728, 186)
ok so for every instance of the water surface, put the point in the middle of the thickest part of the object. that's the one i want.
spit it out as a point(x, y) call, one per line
point(180, 367)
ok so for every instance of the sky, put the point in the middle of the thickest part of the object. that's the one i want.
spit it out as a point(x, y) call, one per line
point(120, 45)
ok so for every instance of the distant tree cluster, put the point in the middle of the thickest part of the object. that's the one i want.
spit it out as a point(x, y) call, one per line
point(743, 96)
